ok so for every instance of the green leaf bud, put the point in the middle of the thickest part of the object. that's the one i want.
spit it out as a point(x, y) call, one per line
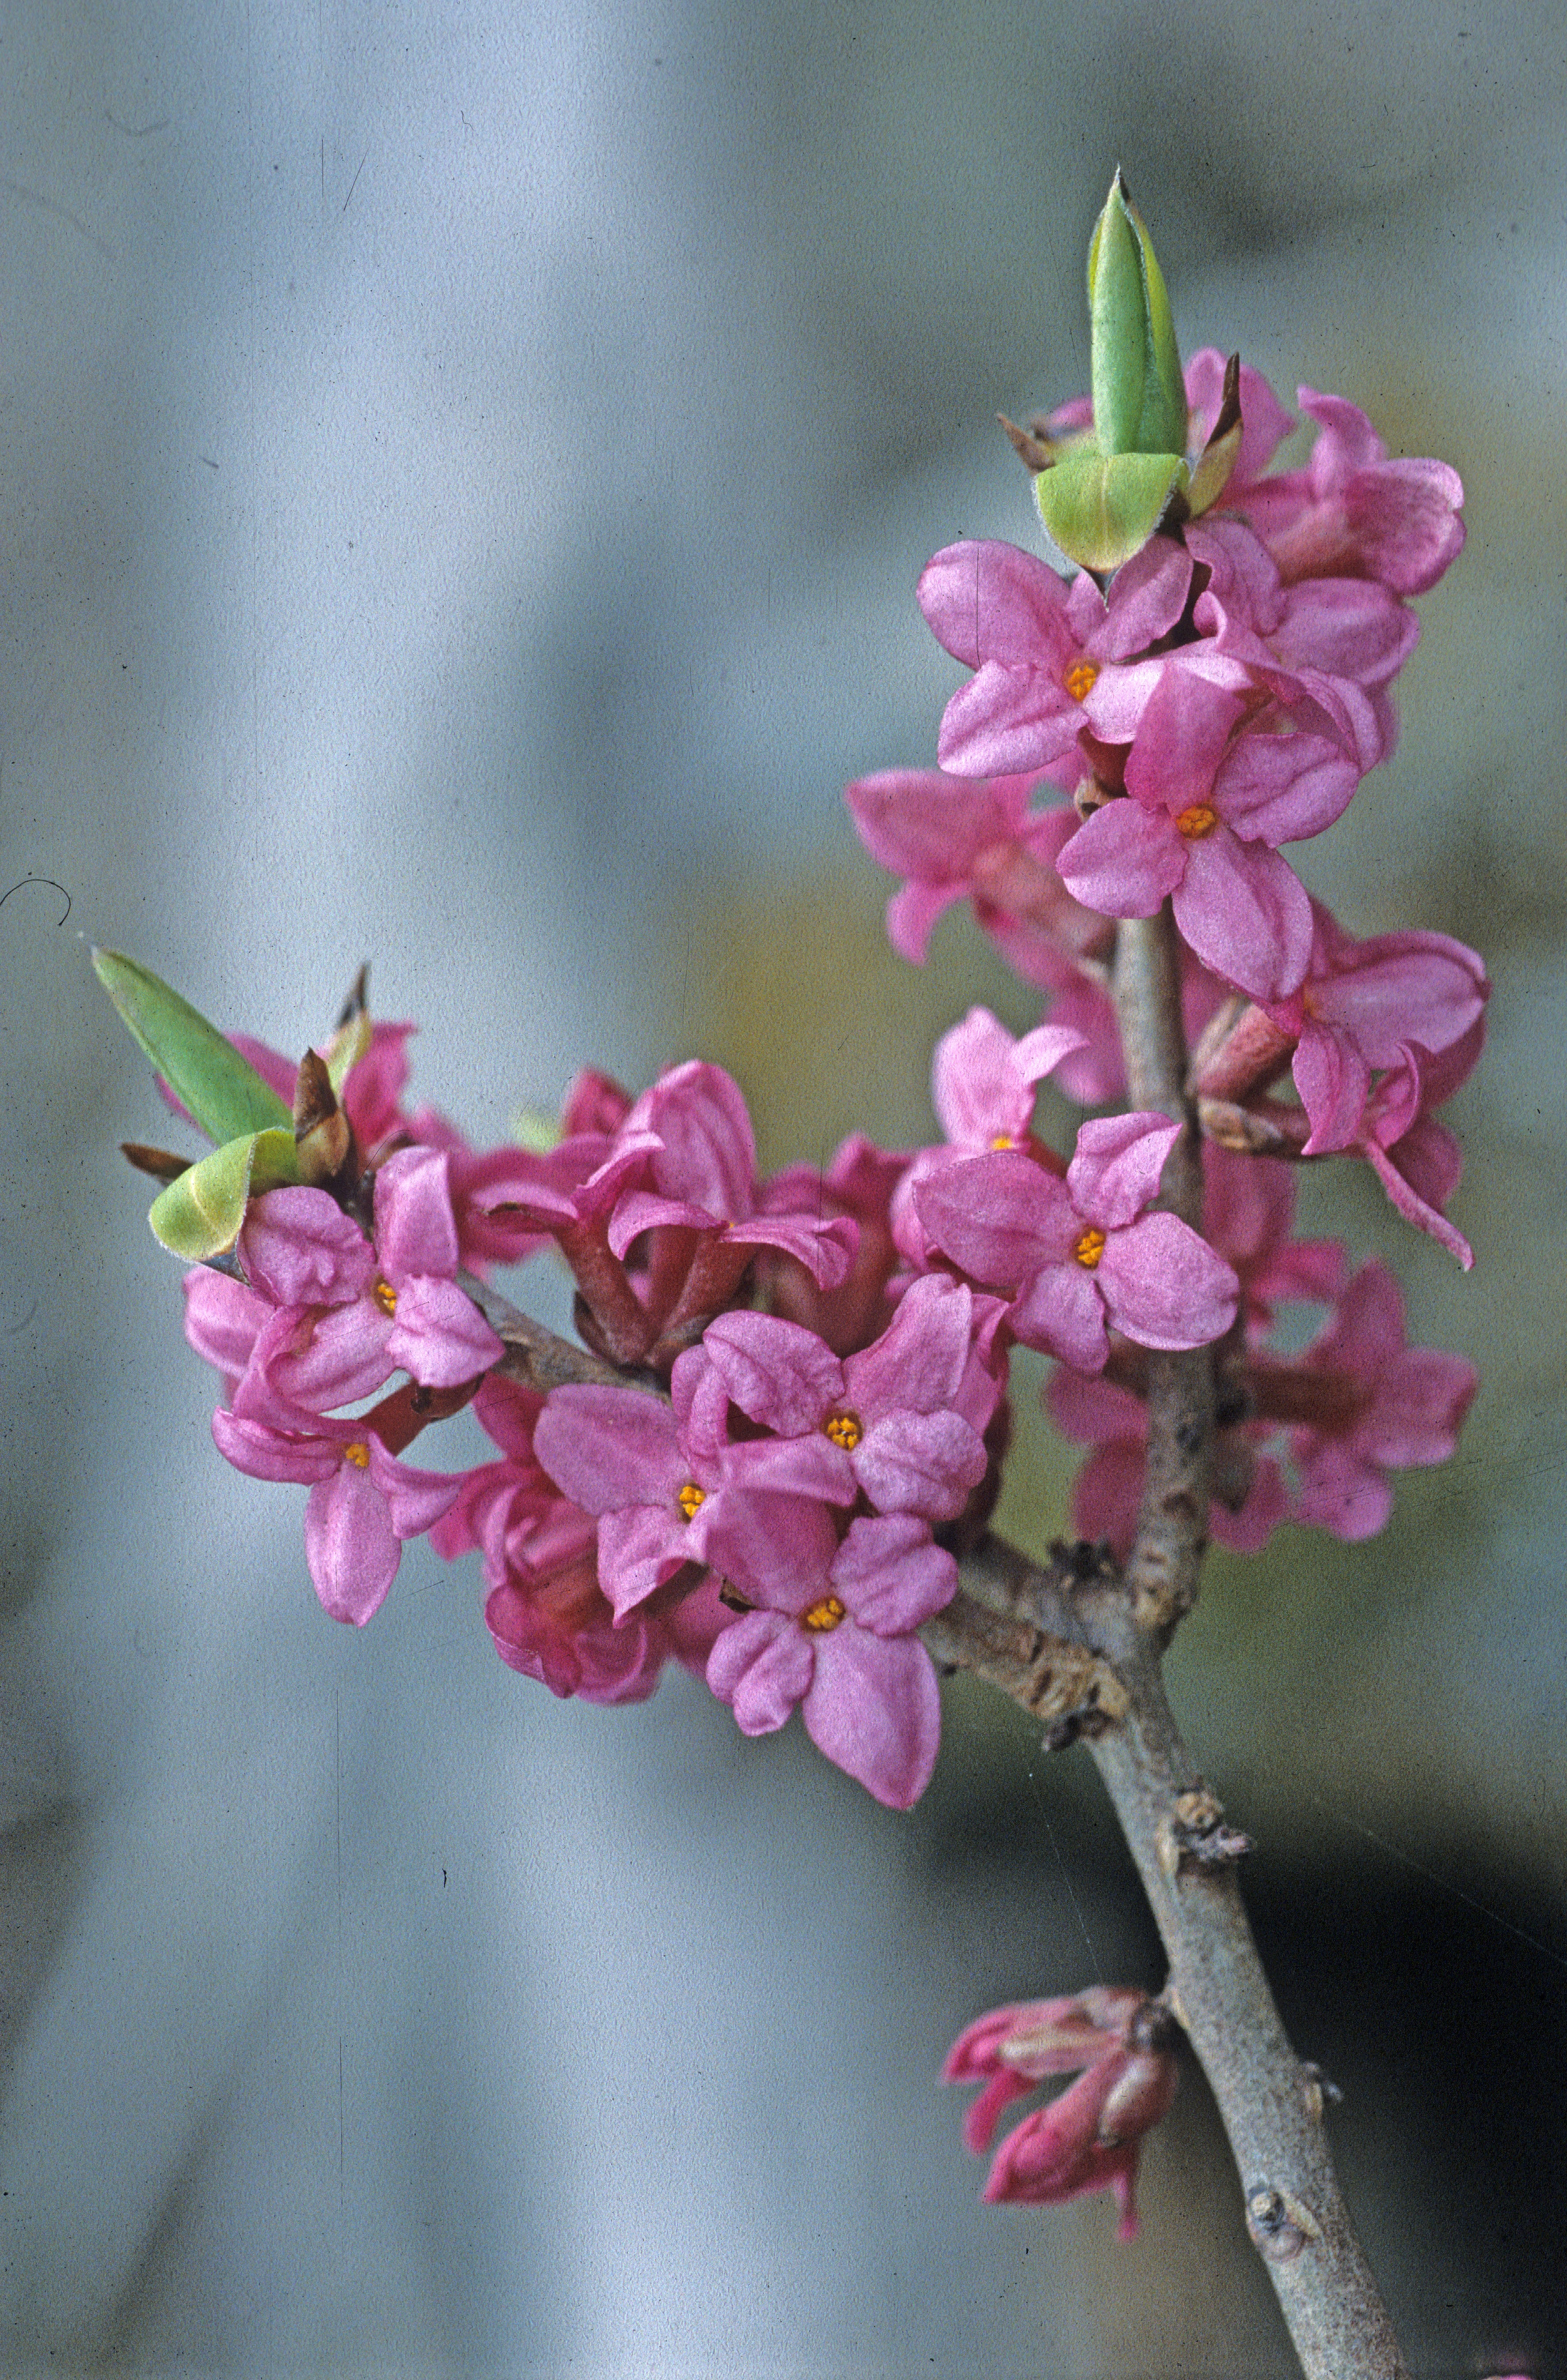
point(1140, 395)
point(222, 1091)
point(199, 1215)
point(1101, 509)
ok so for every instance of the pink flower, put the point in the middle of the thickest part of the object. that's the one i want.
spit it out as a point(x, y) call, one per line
point(1364, 1404)
point(1351, 512)
point(1205, 807)
point(349, 1314)
point(1037, 646)
point(983, 1081)
point(658, 1477)
point(974, 838)
point(900, 1423)
point(363, 1504)
point(838, 1640)
point(1363, 1005)
point(1088, 2139)
point(1079, 1255)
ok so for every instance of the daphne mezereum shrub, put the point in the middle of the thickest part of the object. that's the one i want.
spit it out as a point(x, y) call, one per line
point(774, 1453)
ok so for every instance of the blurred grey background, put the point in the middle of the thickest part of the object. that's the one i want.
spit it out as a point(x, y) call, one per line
point(463, 475)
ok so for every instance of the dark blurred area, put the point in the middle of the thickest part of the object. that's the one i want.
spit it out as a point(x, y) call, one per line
point(463, 479)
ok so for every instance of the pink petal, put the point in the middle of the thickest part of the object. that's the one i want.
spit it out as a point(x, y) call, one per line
point(1061, 1313)
point(777, 1549)
point(267, 1453)
point(1008, 718)
point(999, 1217)
point(439, 1334)
point(639, 1549)
point(1118, 1165)
point(606, 1448)
point(1164, 1287)
point(415, 1231)
point(224, 1317)
point(873, 1708)
point(919, 1361)
point(300, 1247)
point(1245, 914)
point(415, 1499)
point(349, 1544)
point(1124, 859)
point(782, 1375)
point(761, 1666)
point(1181, 739)
point(986, 600)
point(891, 1575)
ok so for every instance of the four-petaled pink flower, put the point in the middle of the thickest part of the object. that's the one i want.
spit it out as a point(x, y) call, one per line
point(977, 838)
point(364, 1503)
point(1079, 1255)
point(836, 1637)
point(901, 1421)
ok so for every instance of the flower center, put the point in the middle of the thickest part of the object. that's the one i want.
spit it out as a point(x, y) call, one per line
point(1089, 1247)
point(1080, 679)
point(844, 1430)
point(358, 1454)
point(691, 1500)
point(822, 1616)
point(385, 1296)
point(1195, 823)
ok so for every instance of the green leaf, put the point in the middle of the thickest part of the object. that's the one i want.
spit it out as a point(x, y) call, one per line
point(198, 1216)
point(1101, 509)
point(1138, 393)
point(220, 1089)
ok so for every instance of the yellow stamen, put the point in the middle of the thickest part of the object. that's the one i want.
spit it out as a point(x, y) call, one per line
point(1080, 679)
point(691, 1500)
point(1002, 1140)
point(822, 1616)
point(1195, 823)
point(1089, 1247)
point(844, 1430)
point(358, 1454)
point(385, 1296)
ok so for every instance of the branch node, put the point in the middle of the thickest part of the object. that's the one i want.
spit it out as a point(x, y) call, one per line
point(1194, 1834)
point(1280, 2225)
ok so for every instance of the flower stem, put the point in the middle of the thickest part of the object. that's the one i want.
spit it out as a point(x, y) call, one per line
point(1271, 2107)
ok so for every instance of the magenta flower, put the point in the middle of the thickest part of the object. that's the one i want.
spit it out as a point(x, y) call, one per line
point(1206, 805)
point(363, 1505)
point(1037, 646)
point(1088, 2139)
point(983, 1081)
point(838, 1640)
point(1379, 1406)
point(350, 1313)
point(976, 838)
point(658, 1477)
point(1351, 513)
point(901, 1422)
point(1077, 1254)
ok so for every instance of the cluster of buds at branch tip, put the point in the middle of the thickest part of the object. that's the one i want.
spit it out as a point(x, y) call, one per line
point(1090, 2137)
